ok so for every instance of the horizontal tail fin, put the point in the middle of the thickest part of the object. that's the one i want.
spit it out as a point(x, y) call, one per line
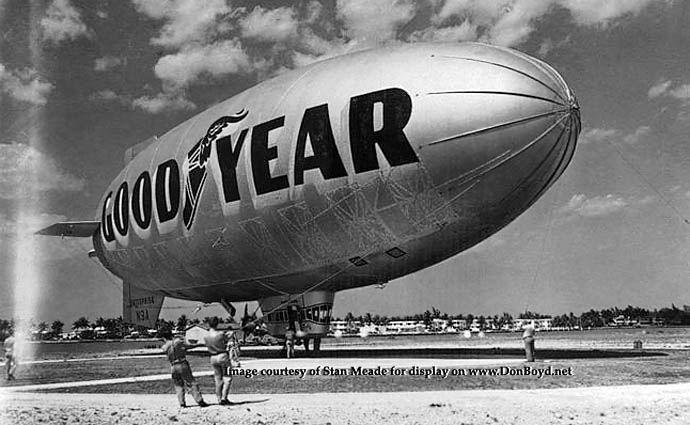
point(77, 229)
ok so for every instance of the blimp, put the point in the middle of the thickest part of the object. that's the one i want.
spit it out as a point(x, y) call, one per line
point(353, 171)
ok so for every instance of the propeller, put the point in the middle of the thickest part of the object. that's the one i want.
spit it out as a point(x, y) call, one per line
point(248, 322)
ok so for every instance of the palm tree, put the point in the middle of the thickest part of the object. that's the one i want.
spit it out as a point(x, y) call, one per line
point(56, 328)
point(182, 322)
point(82, 323)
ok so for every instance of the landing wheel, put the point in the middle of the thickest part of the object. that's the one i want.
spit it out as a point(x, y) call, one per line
point(317, 344)
point(305, 342)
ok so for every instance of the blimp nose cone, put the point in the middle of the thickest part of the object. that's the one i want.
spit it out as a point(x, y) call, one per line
point(499, 122)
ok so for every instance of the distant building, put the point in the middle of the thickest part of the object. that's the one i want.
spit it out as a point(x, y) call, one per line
point(405, 326)
point(459, 324)
point(439, 325)
point(339, 325)
point(620, 321)
point(195, 334)
point(545, 324)
point(351, 327)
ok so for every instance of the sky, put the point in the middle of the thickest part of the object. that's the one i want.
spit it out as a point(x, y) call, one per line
point(81, 81)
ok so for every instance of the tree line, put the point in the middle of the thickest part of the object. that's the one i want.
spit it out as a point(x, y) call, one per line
point(673, 316)
point(116, 328)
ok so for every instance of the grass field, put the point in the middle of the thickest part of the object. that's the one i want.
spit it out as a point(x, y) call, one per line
point(669, 366)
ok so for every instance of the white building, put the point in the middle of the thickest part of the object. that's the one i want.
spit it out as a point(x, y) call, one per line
point(405, 326)
point(545, 324)
point(459, 324)
point(344, 327)
point(195, 334)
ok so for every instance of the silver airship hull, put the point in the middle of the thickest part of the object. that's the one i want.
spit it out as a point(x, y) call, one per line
point(487, 131)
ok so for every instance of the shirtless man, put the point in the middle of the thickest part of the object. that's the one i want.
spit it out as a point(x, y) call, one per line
point(176, 350)
point(217, 344)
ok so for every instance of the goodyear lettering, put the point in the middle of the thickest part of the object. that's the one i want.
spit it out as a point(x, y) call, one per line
point(375, 119)
point(141, 201)
point(397, 108)
point(262, 154)
point(317, 127)
point(167, 190)
point(228, 166)
point(121, 211)
point(107, 219)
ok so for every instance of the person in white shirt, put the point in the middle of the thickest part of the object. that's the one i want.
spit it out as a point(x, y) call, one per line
point(528, 338)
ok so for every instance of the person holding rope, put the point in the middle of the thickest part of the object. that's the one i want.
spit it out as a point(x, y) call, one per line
point(217, 344)
point(176, 350)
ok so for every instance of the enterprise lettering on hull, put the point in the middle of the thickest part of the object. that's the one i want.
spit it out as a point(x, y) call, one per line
point(349, 172)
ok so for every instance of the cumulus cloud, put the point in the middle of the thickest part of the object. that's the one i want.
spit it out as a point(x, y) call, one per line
point(511, 22)
point(186, 20)
point(548, 45)
point(665, 88)
point(659, 89)
point(107, 62)
point(162, 102)
point(504, 23)
point(599, 135)
point(597, 206)
point(189, 64)
point(25, 171)
point(220, 39)
point(24, 85)
point(63, 23)
point(465, 31)
point(516, 22)
point(110, 96)
point(603, 12)
point(641, 133)
point(270, 25)
point(374, 20)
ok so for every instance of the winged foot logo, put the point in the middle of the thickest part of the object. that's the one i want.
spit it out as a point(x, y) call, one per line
point(195, 165)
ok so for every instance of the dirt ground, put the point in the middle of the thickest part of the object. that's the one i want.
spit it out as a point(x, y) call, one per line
point(640, 404)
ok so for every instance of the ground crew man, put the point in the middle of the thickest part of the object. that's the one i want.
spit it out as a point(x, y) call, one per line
point(217, 344)
point(234, 349)
point(176, 350)
point(10, 357)
point(528, 338)
point(289, 342)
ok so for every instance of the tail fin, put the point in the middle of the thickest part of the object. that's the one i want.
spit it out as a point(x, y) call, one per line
point(139, 306)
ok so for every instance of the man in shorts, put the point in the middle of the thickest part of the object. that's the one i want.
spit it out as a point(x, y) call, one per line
point(10, 357)
point(176, 350)
point(217, 344)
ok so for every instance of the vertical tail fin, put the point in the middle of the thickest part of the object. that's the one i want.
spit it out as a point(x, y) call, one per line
point(139, 306)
